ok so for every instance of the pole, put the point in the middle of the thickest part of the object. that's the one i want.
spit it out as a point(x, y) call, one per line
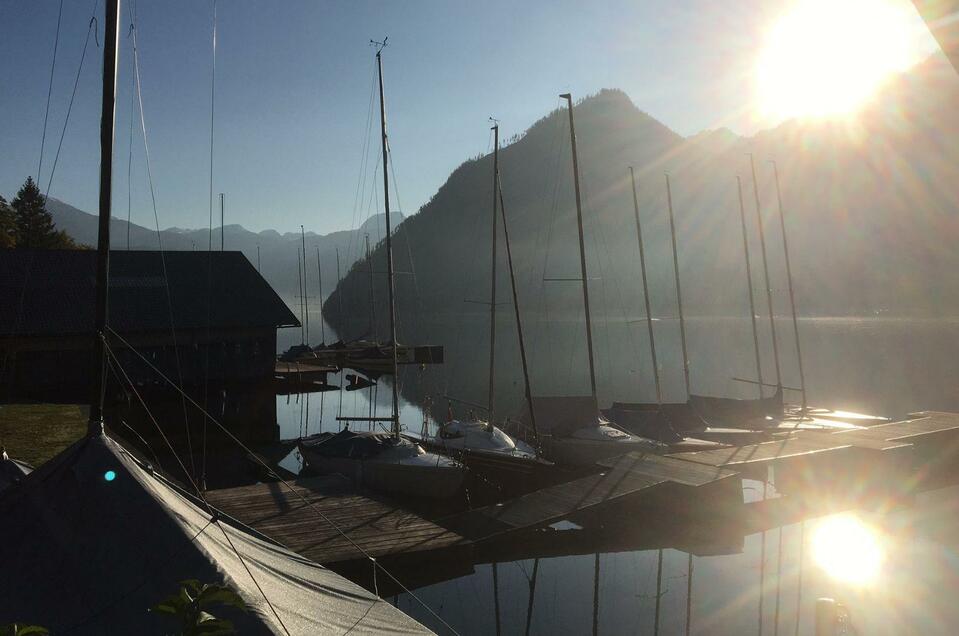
point(659, 593)
point(532, 595)
point(389, 244)
point(596, 595)
point(223, 226)
point(689, 593)
point(369, 268)
point(496, 598)
point(492, 300)
point(582, 246)
point(769, 291)
point(107, 120)
point(299, 283)
point(527, 387)
point(649, 313)
point(319, 278)
point(306, 298)
point(679, 293)
point(749, 285)
point(789, 278)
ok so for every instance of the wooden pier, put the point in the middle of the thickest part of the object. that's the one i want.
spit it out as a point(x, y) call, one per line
point(685, 499)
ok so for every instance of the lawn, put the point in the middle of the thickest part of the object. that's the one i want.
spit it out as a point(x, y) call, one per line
point(36, 432)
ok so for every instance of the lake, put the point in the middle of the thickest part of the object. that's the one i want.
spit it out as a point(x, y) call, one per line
point(895, 572)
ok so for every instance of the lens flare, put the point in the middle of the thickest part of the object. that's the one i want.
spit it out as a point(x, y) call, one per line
point(825, 58)
point(110, 475)
point(848, 549)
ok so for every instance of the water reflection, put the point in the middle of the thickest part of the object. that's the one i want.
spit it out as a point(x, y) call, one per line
point(848, 549)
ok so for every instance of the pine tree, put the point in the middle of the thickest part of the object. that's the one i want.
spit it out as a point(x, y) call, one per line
point(8, 226)
point(34, 225)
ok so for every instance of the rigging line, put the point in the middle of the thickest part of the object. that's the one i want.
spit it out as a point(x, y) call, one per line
point(209, 257)
point(156, 219)
point(133, 97)
point(73, 95)
point(53, 65)
point(210, 510)
point(358, 195)
point(270, 471)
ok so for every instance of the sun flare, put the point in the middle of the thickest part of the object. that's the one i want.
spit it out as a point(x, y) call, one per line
point(848, 549)
point(825, 58)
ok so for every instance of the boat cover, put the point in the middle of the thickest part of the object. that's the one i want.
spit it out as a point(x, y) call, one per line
point(93, 538)
point(347, 443)
point(680, 416)
point(561, 415)
point(735, 411)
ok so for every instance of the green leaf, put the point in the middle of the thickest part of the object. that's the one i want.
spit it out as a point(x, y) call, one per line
point(166, 607)
point(193, 585)
point(31, 630)
point(219, 594)
point(208, 625)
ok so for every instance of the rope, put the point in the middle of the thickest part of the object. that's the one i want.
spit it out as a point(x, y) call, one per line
point(156, 218)
point(270, 472)
point(210, 509)
point(46, 114)
point(73, 95)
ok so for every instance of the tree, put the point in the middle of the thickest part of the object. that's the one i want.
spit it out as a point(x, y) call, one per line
point(34, 225)
point(8, 226)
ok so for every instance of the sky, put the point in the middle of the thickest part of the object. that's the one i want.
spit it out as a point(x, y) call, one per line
point(294, 83)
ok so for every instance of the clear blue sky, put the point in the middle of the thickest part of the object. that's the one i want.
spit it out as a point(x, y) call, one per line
point(294, 81)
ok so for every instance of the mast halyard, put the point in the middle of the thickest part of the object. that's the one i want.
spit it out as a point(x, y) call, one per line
point(492, 300)
point(679, 292)
point(582, 247)
point(649, 313)
point(769, 290)
point(107, 121)
point(519, 323)
point(749, 284)
point(389, 243)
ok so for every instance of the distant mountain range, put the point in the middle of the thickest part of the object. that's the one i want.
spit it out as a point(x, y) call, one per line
point(872, 210)
point(277, 252)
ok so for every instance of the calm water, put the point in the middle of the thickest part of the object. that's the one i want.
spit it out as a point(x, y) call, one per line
point(897, 573)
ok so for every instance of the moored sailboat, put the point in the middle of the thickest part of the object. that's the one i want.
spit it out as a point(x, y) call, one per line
point(384, 462)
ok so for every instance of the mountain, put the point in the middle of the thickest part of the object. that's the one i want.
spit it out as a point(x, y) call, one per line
point(871, 211)
point(277, 252)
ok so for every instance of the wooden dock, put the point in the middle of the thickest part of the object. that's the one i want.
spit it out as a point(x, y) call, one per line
point(313, 521)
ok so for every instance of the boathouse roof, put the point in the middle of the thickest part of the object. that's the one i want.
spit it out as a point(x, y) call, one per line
point(51, 292)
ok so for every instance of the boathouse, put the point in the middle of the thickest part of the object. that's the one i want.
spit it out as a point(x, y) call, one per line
point(199, 316)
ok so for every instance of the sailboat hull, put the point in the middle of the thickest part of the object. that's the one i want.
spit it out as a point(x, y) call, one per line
point(419, 477)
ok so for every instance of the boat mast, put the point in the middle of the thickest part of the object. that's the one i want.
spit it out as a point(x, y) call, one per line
point(749, 285)
point(649, 313)
point(769, 291)
point(299, 285)
point(319, 278)
point(369, 267)
point(582, 247)
point(107, 120)
point(306, 293)
point(389, 244)
point(519, 323)
point(789, 278)
point(492, 300)
point(679, 293)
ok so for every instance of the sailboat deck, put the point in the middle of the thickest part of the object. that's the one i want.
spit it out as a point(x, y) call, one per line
point(325, 521)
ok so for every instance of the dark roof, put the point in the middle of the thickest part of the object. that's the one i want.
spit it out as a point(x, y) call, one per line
point(51, 292)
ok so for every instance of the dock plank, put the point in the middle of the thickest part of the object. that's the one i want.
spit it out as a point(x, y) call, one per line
point(313, 519)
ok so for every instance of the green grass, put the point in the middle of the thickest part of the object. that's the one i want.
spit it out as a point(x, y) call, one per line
point(36, 432)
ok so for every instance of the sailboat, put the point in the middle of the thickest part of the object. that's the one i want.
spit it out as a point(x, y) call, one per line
point(386, 462)
point(479, 443)
point(572, 429)
point(96, 537)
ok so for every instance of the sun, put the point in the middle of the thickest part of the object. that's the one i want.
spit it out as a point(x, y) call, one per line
point(826, 58)
point(848, 549)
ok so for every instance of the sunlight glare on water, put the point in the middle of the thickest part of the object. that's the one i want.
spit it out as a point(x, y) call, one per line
point(848, 549)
